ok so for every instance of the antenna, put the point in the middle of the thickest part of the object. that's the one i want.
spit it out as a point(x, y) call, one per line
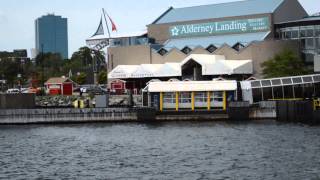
point(104, 15)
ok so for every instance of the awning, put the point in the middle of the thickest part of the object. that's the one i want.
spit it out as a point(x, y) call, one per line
point(192, 86)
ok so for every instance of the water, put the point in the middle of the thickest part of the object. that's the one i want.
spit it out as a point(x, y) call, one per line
point(184, 150)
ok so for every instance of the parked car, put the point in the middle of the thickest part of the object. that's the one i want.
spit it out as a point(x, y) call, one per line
point(13, 91)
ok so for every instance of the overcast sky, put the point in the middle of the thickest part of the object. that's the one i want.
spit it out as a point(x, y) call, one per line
point(17, 17)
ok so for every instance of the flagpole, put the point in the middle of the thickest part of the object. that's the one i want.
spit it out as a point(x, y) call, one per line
point(104, 15)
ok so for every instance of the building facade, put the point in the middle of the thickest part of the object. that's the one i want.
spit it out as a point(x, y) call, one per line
point(238, 30)
point(51, 34)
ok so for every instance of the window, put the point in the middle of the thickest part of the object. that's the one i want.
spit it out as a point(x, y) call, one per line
point(297, 80)
point(306, 33)
point(316, 78)
point(278, 92)
point(186, 50)
point(294, 34)
point(309, 43)
point(288, 92)
point(308, 58)
point(317, 43)
point(185, 97)
point(200, 97)
point(266, 83)
point(169, 97)
point(162, 51)
point(308, 90)
point(267, 93)
point(255, 84)
point(211, 48)
point(238, 46)
point(286, 81)
point(257, 95)
point(288, 35)
point(276, 82)
point(317, 87)
point(298, 91)
point(216, 96)
point(307, 79)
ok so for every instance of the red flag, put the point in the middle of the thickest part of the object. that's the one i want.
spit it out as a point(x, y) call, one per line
point(114, 27)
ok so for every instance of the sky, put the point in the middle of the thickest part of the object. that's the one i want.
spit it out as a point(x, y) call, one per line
point(17, 17)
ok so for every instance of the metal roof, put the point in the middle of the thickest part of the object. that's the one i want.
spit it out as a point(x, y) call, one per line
point(231, 9)
point(218, 41)
point(192, 86)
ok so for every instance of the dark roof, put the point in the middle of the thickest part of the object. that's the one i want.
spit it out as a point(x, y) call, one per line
point(231, 9)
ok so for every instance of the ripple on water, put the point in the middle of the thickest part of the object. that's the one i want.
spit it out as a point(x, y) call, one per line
point(258, 150)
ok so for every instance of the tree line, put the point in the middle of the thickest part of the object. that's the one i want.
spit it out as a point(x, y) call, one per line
point(46, 65)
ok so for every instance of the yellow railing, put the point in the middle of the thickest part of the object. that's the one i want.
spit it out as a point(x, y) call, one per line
point(316, 104)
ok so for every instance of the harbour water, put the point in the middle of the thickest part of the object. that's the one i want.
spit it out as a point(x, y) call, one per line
point(172, 150)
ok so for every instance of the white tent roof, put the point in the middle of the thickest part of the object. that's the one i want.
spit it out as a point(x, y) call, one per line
point(169, 70)
point(122, 71)
point(211, 65)
point(217, 64)
point(192, 86)
point(146, 70)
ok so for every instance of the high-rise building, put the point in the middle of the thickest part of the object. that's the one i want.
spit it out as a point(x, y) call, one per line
point(52, 35)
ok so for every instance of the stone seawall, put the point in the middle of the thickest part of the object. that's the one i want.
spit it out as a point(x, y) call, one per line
point(67, 115)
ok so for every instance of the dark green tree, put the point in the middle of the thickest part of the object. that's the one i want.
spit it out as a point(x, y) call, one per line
point(80, 78)
point(102, 77)
point(286, 63)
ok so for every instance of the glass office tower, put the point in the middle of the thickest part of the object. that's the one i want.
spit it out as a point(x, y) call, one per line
point(52, 35)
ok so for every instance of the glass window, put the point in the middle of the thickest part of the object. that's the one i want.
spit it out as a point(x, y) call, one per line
point(255, 84)
point(317, 32)
point(286, 81)
point(267, 93)
point(276, 82)
point(294, 34)
point(308, 58)
point(307, 79)
point(298, 91)
point(288, 35)
point(316, 78)
point(297, 80)
point(303, 33)
point(266, 83)
point(216, 96)
point(308, 90)
point(169, 97)
point(317, 87)
point(310, 33)
point(185, 97)
point(277, 92)
point(306, 33)
point(257, 95)
point(200, 97)
point(309, 43)
point(317, 43)
point(288, 92)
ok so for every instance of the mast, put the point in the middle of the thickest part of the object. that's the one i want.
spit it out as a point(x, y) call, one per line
point(104, 15)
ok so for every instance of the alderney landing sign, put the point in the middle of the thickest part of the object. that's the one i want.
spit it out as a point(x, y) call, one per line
point(222, 27)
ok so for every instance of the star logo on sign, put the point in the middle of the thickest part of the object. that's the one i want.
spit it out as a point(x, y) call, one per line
point(175, 31)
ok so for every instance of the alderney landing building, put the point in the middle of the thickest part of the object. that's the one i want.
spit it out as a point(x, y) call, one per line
point(242, 30)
